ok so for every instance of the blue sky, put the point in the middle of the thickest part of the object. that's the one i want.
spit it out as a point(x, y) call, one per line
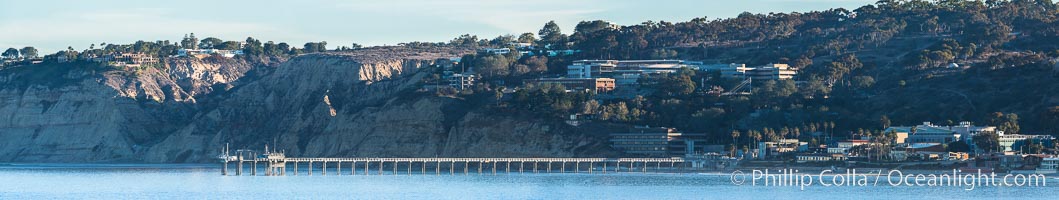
point(52, 25)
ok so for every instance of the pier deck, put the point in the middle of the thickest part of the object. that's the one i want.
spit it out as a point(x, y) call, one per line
point(277, 165)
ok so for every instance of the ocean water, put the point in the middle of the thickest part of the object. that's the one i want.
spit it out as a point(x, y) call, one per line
point(206, 182)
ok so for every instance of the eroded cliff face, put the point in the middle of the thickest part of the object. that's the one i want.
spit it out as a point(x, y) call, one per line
point(290, 101)
point(311, 105)
point(100, 117)
point(334, 105)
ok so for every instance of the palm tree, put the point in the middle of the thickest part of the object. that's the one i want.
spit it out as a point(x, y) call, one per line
point(735, 136)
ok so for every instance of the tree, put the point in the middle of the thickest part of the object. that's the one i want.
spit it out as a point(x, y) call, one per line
point(228, 45)
point(29, 52)
point(587, 27)
point(355, 46)
point(884, 121)
point(590, 107)
point(802, 63)
point(663, 54)
point(11, 53)
point(210, 43)
point(551, 34)
point(519, 69)
point(272, 49)
point(527, 38)
point(465, 40)
point(499, 94)
point(536, 63)
point(502, 40)
point(863, 82)
point(616, 112)
point(989, 33)
point(815, 87)
point(189, 42)
point(253, 47)
point(311, 47)
point(772, 91)
point(283, 46)
point(735, 136)
point(987, 141)
point(678, 84)
point(958, 146)
point(492, 66)
point(1009, 123)
point(1032, 146)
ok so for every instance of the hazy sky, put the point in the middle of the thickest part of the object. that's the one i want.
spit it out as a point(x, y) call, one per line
point(52, 25)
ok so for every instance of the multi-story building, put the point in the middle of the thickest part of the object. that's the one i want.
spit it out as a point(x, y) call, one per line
point(968, 130)
point(926, 133)
point(965, 131)
point(599, 85)
point(741, 71)
point(658, 141)
point(727, 70)
point(124, 59)
point(196, 52)
point(135, 58)
point(1048, 166)
point(845, 145)
point(590, 68)
point(461, 81)
point(1009, 142)
point(773, 149)
point(772, 72)
point(629, 72)
point(626, 72)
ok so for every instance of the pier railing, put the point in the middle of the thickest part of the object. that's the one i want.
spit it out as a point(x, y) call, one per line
point(276, 165)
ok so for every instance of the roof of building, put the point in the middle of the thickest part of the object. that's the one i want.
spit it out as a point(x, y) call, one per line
point(920, 129)
point(928, 147)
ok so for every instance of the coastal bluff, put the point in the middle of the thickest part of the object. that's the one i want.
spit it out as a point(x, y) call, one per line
point(360, 103)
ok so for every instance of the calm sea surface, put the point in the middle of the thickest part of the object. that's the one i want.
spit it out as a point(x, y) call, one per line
point(206, 182)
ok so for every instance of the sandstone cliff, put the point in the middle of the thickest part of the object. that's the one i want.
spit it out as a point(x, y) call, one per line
point(335, 104)
point(79, 113)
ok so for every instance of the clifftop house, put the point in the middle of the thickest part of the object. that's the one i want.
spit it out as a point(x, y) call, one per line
point(207, 52)
point(118, 59)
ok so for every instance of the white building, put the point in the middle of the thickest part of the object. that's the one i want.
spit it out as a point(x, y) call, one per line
point(926, 133)
point(741, 71)
point(732, 70)
point(461, 81)
point(194, 52)
point(496, 51)
point(1008, 141)
point(590, 68)
point(521, 45)
point(1049, 166)
point(804, 158)
point(779, 147)
point(772, 72)
point(626, 72)
point(968, 130)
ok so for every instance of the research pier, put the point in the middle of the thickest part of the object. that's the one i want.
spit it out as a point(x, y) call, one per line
point(276, 164)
